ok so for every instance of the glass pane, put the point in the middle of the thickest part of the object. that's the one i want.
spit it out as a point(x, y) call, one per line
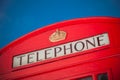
point(102, 76)
point(85, 78)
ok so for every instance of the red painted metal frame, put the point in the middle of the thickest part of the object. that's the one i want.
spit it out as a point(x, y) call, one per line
point(104, 59)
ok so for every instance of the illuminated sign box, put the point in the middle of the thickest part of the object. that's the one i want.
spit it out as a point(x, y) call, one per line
point(61, 50)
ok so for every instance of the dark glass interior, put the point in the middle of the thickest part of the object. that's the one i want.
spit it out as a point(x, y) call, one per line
point(103, 76)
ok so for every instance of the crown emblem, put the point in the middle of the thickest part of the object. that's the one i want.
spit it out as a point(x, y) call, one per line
point(57, 36)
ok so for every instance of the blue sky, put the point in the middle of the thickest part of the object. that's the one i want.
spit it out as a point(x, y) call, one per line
point(19, 17)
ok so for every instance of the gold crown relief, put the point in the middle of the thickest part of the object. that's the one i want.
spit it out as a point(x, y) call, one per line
point(57, 36)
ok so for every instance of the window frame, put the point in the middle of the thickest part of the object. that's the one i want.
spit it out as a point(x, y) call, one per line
point(93, 74)
point(109, 74)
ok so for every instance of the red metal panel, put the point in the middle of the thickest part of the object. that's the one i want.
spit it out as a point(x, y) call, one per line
point(79, 64)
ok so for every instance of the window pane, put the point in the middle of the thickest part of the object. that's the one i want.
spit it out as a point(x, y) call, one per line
point(102, 76)
point(85, 78)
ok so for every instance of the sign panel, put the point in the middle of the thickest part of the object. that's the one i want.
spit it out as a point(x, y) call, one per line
point(61, 50)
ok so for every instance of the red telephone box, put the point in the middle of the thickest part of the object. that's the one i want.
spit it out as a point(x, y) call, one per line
point(78, 49)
